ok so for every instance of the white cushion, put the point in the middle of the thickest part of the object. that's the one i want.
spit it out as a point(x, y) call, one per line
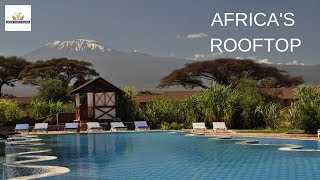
point(199, 125)
point(219, 125)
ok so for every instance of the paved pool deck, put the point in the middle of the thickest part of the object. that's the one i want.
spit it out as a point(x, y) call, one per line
point(220, 134)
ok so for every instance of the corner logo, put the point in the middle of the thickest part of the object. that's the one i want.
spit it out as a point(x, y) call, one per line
point(18, 18)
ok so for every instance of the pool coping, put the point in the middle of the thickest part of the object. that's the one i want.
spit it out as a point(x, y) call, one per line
point(209, 132)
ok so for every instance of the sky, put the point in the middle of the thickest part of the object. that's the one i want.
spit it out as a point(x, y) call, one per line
point(166, 28)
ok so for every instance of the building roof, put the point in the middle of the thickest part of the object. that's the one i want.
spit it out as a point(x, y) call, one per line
point(282, 93)
point(179, 95)
point(97, 85)
point(288, 93)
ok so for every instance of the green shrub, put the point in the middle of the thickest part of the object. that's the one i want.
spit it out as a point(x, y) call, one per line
point(272, 115)
point(165, 126)
point(172, 126)
point(9, 111)
point(308, 106)
point(162, 110)
point(176, 126)
point(128, 107)
point(248, 99)
point(52, 90)
point(292, 115)
point(40, 109)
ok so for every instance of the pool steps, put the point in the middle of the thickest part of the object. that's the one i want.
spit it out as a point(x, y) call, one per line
point(21, 150)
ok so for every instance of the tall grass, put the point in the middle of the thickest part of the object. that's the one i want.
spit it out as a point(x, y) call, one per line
point(309, 108)
point(9, 111)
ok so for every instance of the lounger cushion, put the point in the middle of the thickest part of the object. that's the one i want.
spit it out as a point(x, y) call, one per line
point(199, 125)
point(141, 124)
point(117, 125)
point(93, 125)
point(41, 126)
point(219, 125)
point(71, 126)
point(22, 127)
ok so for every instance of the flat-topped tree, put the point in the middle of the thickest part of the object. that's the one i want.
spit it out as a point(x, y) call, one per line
point(63, 69)
point(10, 68)
point(228, 71)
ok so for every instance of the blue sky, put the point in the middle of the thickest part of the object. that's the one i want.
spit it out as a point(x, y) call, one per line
point(152, 26)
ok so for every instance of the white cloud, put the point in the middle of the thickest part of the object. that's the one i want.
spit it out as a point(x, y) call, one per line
point(206, 56)
point(264, 61)
point(212, 55)
point(198, 56)
point(193, 36)
point(197, 36)
point(258, 60)
point(294, 62)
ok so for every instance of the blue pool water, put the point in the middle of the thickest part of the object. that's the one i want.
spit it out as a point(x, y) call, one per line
point(159, 155)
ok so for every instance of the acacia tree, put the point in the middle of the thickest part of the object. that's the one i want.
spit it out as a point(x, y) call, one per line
point(228, 71)
point(62, 69)
point(10, 68)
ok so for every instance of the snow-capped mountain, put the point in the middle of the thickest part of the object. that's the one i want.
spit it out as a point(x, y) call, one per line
point(121, 68)
point(78, 45)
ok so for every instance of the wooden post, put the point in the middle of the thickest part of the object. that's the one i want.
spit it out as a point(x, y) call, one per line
point(94, 106)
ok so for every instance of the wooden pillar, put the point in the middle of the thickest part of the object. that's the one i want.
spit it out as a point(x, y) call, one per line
point(94, 106)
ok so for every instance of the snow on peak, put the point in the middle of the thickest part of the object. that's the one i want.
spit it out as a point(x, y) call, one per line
point(78, 45)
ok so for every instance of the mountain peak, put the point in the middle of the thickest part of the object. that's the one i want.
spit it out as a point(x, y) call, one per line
point(78, 45)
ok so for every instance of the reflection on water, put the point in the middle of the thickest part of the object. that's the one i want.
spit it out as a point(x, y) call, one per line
point(76, 147)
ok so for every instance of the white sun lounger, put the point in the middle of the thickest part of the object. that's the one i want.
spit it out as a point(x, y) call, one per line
point(219, 125)
point(115, 126)
point(199, 126)
point(22, 128)
point(318, 133)
point(40, 127)
point(141, 125)
point(73, 127)
point(92, 126)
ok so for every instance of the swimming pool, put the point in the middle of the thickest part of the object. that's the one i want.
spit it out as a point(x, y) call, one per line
point(161, 155)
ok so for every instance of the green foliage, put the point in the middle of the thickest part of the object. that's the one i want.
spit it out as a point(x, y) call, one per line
point(309, 108)
point(10, 68)
point(63, 69)
point(127, 104)
point(244, 107)
point(40, 109)
point(219, 102)
point(163, 110)
point(248, 98)
point(271, 114)
point(292, 115)
point(237, 107)
point(52, 90)
point(9, 111)
point(213, 104)
point(172, 126)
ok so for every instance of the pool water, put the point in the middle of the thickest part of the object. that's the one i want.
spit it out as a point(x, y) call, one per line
point(161, 155)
